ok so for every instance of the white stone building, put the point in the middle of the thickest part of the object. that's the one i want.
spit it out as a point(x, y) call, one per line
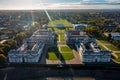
point(91, 52)
point(34, 54)
point(72, 36)
point(79, 26)
point(28, 53)
point(45, 36)
point(115, 36)
point(32, 48)
point(15, 56)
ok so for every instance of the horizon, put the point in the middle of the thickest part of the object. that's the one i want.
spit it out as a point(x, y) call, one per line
point(54, 4)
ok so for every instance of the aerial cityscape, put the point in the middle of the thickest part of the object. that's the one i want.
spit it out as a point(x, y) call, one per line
point(59, 40)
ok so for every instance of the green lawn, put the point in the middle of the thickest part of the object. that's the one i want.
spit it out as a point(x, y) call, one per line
point(65, 49)
point(112, 48)
point(117, 59)
point(66, 53)
point(56, 30)
point(62, 31)
point(102, 48)
point(118, 54)
point(52, 56)
point(62, 37)
point(67, 56)
point(53, 53)
point(61, 21)
point(103, 41)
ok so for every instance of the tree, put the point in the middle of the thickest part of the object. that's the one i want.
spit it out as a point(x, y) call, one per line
point(2, 58)
point(19, 38)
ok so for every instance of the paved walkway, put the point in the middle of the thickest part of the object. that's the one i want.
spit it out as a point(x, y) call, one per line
point(113, 52)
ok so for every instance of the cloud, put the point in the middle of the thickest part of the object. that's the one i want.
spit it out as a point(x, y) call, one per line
point(115, 1)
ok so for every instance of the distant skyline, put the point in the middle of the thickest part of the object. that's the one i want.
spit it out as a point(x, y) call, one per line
point(59, 4)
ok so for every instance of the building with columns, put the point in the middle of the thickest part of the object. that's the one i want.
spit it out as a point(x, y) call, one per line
point(91, 52)
point(45, 36)
point(71, 36)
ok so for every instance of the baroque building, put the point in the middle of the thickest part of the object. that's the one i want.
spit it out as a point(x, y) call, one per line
point(32, 48)
point(91, 52)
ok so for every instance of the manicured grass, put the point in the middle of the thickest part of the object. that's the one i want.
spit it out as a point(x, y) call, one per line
point(103, 41)
point(102, 48)
point(53, 49)
point(70, 28)
point(61, 21)
point(65, 49)
point(62, 31)
point(67, 56)
point(118, 54)
point(117, 59)
point(56, 30)
point(112, 48)
point(62, 38)
point(66, 53)
point(52, 53)
point(52, 56)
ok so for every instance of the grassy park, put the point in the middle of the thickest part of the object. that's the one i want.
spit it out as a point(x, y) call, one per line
point(65, 49)
point(62, 37)
point(112, 48)
point(65, 53)
point(52, 53)
point(117, 59)
point(102, 48)
point(61, 21)
point(103, 41)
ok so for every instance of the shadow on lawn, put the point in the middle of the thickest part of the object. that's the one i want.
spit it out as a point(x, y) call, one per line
point(72, 46)
point(60, 56)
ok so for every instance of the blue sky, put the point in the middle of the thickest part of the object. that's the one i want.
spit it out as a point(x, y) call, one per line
point(36, 4)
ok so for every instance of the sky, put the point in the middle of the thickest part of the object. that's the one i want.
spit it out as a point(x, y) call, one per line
point(59, 4)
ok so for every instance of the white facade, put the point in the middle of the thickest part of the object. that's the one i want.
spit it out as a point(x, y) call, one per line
point(29, 52)
point(32, 49)
point(90, 52)
point(72, 36)
point(34, 54)
point(79, 26)
point(115, 36)
point(46, 36)
point(15, 56)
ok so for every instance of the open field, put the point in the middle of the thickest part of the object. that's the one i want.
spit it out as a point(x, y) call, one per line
point(103, 41)
point(102, 48)
point(52, 53)
point(61, 21)
point(62, 37)
point(65, 53)
point(67, 56)
point(65, 49)
point(118, 54)
point(112, 48)
point(52, 56)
